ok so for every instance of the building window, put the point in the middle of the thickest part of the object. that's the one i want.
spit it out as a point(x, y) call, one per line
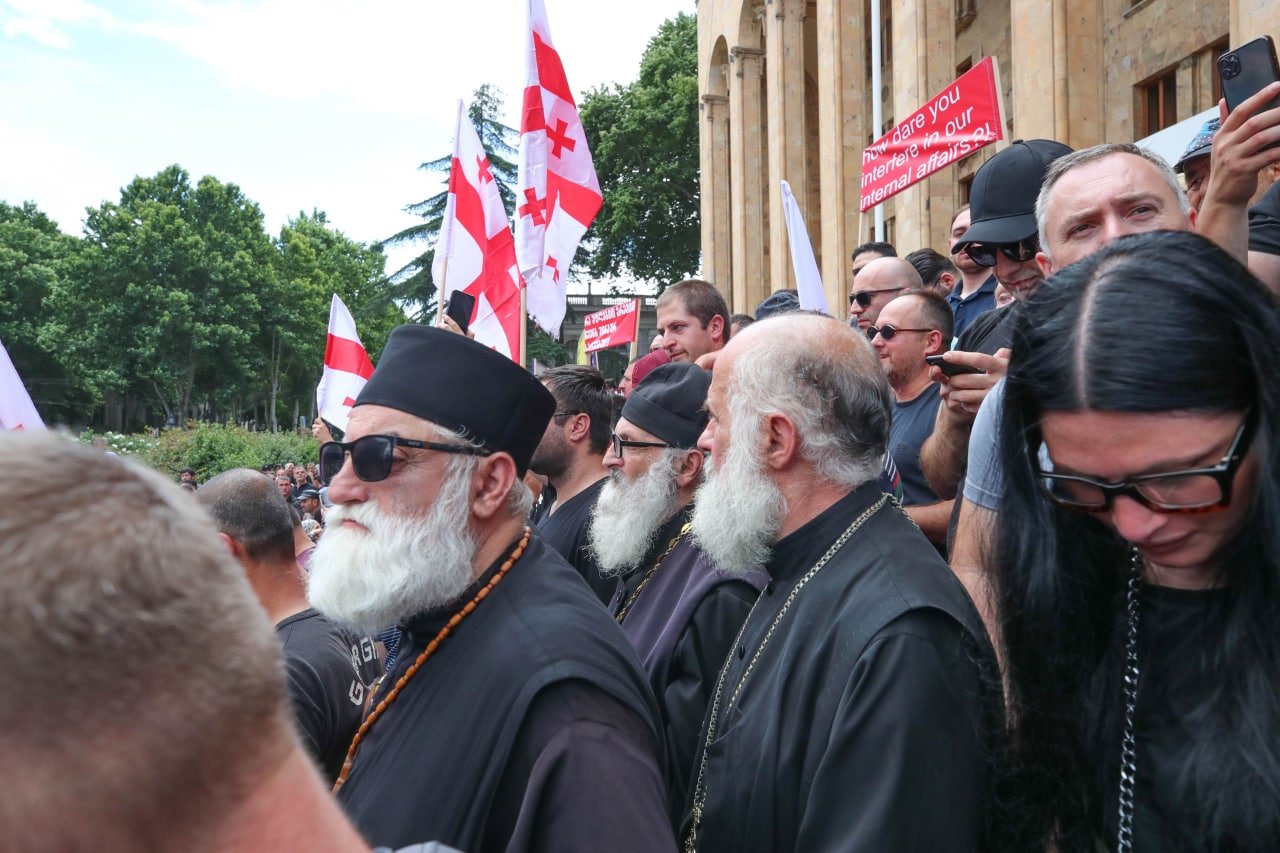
point(1215, 50)
point(1160, 102)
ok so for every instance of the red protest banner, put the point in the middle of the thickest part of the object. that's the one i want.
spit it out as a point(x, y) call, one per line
point(958, 121)
point(611, 327)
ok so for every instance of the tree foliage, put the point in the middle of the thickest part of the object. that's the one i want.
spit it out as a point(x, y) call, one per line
point(176, 303)
point(411, 284)
point(644, 139)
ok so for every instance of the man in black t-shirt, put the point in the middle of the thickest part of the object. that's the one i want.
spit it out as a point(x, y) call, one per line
point(571, 457)
point(330, 670)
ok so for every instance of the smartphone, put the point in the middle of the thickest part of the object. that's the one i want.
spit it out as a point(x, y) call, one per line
point(1246, 70)
point(950, 368)
point(459, 306)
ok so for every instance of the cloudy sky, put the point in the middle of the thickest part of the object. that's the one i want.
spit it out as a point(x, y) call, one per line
point(305, 104)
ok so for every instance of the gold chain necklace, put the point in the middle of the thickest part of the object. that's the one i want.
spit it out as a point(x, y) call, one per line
point(700, 787)
point(454, 621)
point(644, 581)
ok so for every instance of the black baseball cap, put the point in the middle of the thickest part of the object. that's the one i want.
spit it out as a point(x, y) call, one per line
point(1002, 200)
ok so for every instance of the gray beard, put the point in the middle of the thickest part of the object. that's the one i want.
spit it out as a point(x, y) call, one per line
point(629, 513)
point(401, 565)
point(738, 511)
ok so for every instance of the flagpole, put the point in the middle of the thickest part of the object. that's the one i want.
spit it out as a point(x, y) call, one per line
point(448, 241)
point(524, 326)
point(444, 277)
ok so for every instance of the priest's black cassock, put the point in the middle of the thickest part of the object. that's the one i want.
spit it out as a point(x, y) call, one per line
point(862, 720)
point(683, 623)
point(531, 728)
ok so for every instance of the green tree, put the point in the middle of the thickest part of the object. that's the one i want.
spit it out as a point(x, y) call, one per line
point(163, 301)
point(34, 258)
point(644, 139)
point(313, 262)
point(411, 284)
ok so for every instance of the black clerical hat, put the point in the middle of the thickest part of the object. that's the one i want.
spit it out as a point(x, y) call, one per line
point(670, 403)
point(464, 386)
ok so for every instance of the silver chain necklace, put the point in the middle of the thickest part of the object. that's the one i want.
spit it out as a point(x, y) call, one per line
point(700, 786)
point(1128, 743)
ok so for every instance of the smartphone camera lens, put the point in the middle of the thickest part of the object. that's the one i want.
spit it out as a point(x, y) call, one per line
point(1229, 66)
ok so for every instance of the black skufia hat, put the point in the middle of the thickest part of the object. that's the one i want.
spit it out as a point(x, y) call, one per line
point(464, 386)
point(1002, 198)
point(670, 403)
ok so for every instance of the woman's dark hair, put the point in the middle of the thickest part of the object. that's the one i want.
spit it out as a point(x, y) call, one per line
point(1159, 322)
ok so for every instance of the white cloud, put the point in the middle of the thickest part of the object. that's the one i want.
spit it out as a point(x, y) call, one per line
point(45, 21)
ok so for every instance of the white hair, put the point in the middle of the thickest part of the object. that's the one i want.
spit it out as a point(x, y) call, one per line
point(629, 513)
point(841, 412)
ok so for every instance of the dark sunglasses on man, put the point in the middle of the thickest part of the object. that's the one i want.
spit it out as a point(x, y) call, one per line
point(864, 297)
point(373, 455)
point(888, 331)
point(984, 254)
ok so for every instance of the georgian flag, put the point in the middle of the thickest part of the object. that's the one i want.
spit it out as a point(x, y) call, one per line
point(558, 194)
point(346, 367)
point(16, 409)
point(475, 251)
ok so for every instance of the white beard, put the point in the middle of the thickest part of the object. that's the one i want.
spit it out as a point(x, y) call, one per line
point(629, 513)
point(738, 511)
point(399, 566)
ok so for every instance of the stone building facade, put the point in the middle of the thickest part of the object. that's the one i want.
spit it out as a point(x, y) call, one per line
point(785, 93)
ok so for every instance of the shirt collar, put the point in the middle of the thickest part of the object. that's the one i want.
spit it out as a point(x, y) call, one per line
point(797, 552)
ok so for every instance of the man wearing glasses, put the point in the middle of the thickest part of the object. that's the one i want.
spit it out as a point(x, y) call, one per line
point(516, 711)
point(913, 326)
point(679, 611)
point(876, 284)
point(974, 294)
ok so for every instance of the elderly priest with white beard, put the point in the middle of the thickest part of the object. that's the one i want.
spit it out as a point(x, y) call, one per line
point(678, 609)
point(517, 717)
point(857, 708)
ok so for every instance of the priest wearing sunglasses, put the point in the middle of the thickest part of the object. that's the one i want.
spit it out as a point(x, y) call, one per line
point(516, 711)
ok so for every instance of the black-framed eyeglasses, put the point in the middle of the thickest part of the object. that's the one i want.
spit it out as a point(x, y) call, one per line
point(619, 442)
point(984, 254)
point(888, 331)
point(372, 455)
point(565, 414)
point(864, 297)
point(1187, 491)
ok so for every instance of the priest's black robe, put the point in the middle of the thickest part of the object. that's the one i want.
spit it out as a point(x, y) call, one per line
point(530, 728)
point(682, 624)
point(866, 720)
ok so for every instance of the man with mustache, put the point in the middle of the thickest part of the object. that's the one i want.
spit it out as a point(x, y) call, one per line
point(679, 611)
point(855, 710)
point(516, 711)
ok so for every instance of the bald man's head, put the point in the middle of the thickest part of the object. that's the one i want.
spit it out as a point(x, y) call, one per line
point(876, 284)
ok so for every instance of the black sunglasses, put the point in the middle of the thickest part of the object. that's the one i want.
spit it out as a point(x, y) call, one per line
point(1192, 490)
point(372, 455)
point(619, 443)
point(864, 297)
point(889, 331)
point(984, 254)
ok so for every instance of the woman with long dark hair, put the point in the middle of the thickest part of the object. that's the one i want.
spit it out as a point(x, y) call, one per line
point(1138, 555)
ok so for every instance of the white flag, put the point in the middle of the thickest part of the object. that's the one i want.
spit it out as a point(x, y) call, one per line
point(16, 409)
point(808, 282)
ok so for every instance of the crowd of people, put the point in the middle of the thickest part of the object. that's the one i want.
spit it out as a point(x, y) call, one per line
point(989, 564)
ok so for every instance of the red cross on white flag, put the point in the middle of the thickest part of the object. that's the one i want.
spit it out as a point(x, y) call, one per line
point(558, 191)
point(16, 409)
point(475, 251)
point(346, 367)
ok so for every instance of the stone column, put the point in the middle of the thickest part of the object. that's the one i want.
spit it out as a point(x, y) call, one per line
point(1058, 90)
point(717, 264)
point(746, 166)
point(784, 40)
point(842, 128)
point(923, 64)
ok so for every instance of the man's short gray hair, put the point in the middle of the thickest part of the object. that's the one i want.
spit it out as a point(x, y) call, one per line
point(144, 689)
point(1067, 162)
point(841, 409)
